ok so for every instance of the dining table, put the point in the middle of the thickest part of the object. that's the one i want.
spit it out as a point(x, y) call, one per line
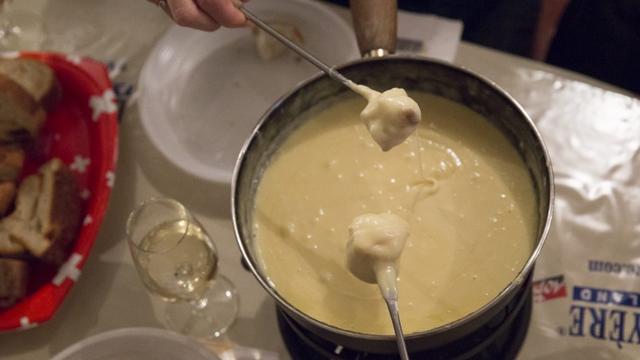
point(110, 294)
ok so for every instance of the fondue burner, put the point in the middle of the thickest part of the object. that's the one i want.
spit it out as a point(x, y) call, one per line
point(499, 338)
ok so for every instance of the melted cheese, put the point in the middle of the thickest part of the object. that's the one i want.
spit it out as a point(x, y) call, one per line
point(390, 116)
point(375, 244)
point(460, 185)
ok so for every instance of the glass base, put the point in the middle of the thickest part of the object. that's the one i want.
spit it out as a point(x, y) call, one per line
point(209, 317)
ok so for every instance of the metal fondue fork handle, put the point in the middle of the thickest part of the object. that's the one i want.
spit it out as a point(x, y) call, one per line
point(293, 46)
point(397, 327)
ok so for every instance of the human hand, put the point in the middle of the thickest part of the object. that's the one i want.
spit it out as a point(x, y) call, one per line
point(207, 15)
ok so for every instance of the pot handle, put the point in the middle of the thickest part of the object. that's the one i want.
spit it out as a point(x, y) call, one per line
point(376, 26)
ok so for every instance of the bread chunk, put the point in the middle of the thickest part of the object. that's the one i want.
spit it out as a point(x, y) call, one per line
point(35, 77)
point(13, 281)
point(7, 194)
point(10, 247)
point(21, 115)
point(47, 214)
point(11, 162)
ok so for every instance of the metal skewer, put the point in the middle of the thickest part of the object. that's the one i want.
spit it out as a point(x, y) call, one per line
point(397, 327)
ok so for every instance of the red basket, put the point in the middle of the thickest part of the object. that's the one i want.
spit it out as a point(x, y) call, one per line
point(81, 130)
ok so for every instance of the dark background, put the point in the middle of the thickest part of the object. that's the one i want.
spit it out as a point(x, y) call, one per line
point(599, 38)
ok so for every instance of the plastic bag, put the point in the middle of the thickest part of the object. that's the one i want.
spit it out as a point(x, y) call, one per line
point(587, 279)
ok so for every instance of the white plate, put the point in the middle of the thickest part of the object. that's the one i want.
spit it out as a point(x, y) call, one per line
point(202, 93)
point(137, 344)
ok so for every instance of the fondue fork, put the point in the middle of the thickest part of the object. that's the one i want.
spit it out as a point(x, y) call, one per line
point(293, 46)
point(394, 311)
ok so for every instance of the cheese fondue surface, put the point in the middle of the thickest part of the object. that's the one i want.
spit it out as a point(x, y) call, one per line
point(460, 185)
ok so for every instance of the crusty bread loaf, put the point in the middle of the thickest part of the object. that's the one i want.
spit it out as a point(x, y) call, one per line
point(11, 162)
point(35, 77)
point(13, 281)
point(48, 212)
point(21, 116)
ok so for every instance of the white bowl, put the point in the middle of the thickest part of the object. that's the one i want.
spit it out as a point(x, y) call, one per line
point(202, 93)
point(137, 344)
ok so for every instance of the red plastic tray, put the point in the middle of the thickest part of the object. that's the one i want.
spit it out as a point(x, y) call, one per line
point(81, 130)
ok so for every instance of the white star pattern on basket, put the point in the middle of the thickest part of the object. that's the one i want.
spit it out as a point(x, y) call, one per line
point(73, 58)
point(80, 164)
point(26, 324)
point(84, 195)
point(103, 104)
point(111, 178)
point(69, 270)
point(87, 220)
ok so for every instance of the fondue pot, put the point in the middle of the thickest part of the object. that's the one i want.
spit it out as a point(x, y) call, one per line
point(375, 23)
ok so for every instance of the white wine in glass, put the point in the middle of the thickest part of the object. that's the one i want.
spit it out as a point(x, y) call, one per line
point(19, 29)
point(183, 272)
point(178, 261)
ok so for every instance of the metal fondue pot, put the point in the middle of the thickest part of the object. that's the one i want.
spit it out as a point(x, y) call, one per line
point(412, 73)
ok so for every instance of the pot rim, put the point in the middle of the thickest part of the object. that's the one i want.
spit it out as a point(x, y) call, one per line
point(513, 285)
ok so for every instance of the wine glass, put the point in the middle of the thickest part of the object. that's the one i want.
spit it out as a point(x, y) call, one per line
point(19, 29)
point(178, 261)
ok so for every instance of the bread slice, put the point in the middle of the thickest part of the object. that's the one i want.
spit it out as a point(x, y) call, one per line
point(13, 281)
point(7, 195)
point(20, 223)
point(11, 162)
point(25, 234)
point(59, 209)
point(21, 115)
point(37, 78)
point(48, 212)
point(27, 198)
point(8, 246)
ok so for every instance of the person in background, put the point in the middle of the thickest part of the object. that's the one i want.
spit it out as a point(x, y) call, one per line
point(595, 37)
